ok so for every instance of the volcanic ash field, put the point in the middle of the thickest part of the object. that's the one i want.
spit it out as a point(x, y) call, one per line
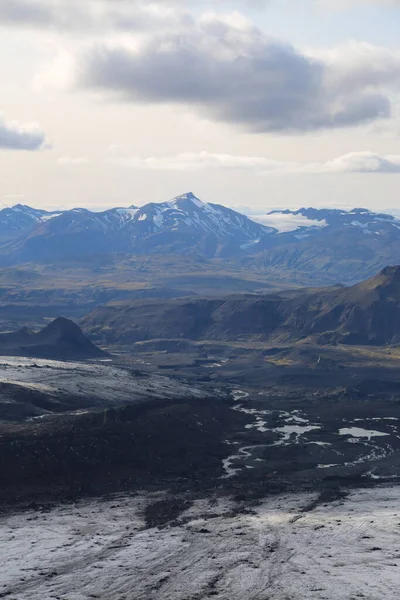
point(285, 548)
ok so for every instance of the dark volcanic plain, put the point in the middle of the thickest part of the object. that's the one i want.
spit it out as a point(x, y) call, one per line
point(246, 419)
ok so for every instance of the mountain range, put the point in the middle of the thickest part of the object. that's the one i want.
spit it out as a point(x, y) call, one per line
point(185, 223)
point(293, 246)
point(367, 313)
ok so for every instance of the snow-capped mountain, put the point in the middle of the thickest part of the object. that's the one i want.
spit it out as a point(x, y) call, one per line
point(21, 218)
point(184, 224)
point(81, 219)
point(306, 221)
point(305, 245)
point(331, 246)
point(188, 213)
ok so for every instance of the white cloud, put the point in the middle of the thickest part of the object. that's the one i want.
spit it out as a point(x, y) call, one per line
point(14, 136)
point(191, 161)
point(364, 162)
point(355, 162)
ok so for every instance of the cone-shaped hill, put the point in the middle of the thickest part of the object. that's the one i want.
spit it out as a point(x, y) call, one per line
point(61, 339)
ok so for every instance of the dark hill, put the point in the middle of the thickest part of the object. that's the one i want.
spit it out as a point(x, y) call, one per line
point(205, 318)
point(368, 313)
point(61, 339)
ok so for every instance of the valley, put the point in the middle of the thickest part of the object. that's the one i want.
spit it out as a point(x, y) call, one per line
point(32, 294)
point(250, 388)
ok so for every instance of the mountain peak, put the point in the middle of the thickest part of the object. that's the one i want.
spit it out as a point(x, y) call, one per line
point(64, 325)
point(188, 197)
point(391, 273)
point(64, 337)
point(386, 282)
point(24, 208)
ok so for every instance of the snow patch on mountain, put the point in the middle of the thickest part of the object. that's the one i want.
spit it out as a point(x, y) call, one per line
point(284, 222)
point(44, 218)
point(126, 213)
point(314, 219)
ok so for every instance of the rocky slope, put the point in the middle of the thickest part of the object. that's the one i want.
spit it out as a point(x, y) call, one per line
point(368, 313)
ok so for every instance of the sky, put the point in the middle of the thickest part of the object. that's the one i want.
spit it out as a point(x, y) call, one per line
point(256, 104)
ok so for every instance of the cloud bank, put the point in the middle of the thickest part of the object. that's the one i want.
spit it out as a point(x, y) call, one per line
point(356, 162)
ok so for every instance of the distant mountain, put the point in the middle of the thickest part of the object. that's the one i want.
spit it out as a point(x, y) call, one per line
point(324, 246)
point(187, 221)
point(368, 313)
point(308, 221)
point(21, 219)
point(184, 224)
point(70, 234)
point(61, 339)
point(307, 246)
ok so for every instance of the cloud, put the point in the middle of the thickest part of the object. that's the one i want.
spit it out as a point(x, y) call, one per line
point(364, 162)
point(197, 162)
point(227, 70)
point(91, 15)
point(221, 66)
point(21, 137)
point(356, 162)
